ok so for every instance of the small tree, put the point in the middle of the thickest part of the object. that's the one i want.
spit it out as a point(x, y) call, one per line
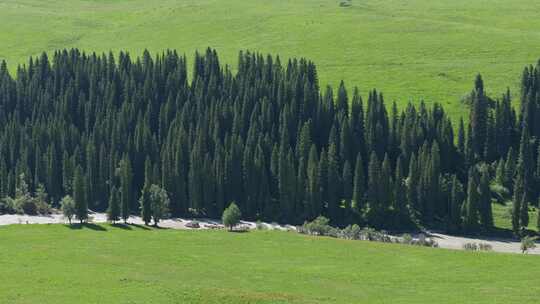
point(159, 203)
point(113, 212)
point(527, 243)
point(68, 207)
point(231, 216)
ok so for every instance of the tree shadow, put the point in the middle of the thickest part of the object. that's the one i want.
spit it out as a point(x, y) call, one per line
point(238, 231)
point(91, 226)
point(143, 227)
point(121, 226)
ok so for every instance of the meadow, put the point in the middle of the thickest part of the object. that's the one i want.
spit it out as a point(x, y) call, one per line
point(411, 50)
point(106, 264)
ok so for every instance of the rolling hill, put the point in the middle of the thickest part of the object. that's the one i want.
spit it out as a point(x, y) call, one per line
point(410, 50)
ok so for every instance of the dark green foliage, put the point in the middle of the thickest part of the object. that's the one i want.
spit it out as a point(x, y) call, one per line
point(145, 204)
point(79, 195)
point(113, 211)
point(486, 214)
point(359, 186)
point(265, 137)
point(125, 187)
point(471, 206)
point(456, 200)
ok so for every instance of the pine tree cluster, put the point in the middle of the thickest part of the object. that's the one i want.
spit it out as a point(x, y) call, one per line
point(266, 137)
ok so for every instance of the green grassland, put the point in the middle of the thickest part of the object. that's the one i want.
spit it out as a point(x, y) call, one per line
point(105, 264)
point(411, 50)
point(502, 217)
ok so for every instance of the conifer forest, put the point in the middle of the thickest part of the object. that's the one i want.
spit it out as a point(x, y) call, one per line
point(266, 135)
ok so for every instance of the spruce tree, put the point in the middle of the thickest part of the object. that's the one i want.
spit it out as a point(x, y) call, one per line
point(79, 195)
point(412, 184)
point(516, 202)
point(376, 206)
point(314, 184)
point(113, 211)
point(333, 186)
point(359, 187)
point(347, 179)
point(486, 213)
point(456, 199)
point(126, 187)
point(471, 206)
point(145, 204)
point(399, 198)
point(461, 137)
point(538, 217)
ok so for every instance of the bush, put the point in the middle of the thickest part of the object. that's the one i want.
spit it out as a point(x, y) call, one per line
point(485, 247)
point(24, 202)
point(527, 243)
point(351, 232)
point(470, 246)
point(406, 239)
point(28, 206)
point(318, 226)
point(477, 247)
point(260, 226)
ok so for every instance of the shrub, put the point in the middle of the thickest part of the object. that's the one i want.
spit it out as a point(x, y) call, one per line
point(351, 232)
point(260, 226)
point(27, 206)
point(527, 243)
point(470, 246)
point(318, 226)
point(477, 247)
point(406, 239)
point(485, 247)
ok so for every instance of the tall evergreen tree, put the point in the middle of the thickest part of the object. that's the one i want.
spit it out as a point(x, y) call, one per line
point(359, 187)
point(79, 195)
point(113, 211)
point(126, 187)
point(486, 213)
point(471, 206)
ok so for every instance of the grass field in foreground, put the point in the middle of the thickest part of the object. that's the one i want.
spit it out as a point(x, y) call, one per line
point(414, 49)
point(105, 264)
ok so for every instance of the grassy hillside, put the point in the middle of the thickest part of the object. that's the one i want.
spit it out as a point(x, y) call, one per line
point(502, 217)
point(414, 49)
point(104, 264)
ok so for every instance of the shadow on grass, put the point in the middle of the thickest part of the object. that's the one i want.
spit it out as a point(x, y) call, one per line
point(238, 231)
point(121, 226)
point(131, 226)
point(143, 227)
point(90, 226)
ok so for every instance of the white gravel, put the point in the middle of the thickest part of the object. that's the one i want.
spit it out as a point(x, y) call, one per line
point(94, 217)
point(443, 240)
point(497, 244)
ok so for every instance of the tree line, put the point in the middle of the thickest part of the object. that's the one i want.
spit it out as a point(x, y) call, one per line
point(104, 128)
